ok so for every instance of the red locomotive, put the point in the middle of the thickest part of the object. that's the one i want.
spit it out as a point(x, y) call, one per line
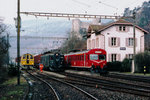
point(93, 59)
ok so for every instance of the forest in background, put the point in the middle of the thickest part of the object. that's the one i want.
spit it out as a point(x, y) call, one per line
point(142, 19)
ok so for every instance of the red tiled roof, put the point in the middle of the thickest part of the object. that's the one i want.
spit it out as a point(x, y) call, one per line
point(95, 28)
point(99, 28)
point(122, 22)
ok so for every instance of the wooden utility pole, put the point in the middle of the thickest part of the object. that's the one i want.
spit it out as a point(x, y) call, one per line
point(134, 44)
point(18, 41)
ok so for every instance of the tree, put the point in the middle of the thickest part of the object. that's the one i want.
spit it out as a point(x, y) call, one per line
point(4, 45)
point(74, 42)
point(142, 19)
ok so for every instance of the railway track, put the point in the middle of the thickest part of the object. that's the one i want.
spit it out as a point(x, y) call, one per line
point(108, 84)
point(55, 94)
point(68, 84)
point(130, 77)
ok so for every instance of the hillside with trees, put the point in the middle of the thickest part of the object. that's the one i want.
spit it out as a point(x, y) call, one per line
point(142, 19)
point(73, 43)
point(4, 45)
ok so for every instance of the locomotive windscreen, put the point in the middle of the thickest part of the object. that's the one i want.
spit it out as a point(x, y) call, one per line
point(93, 56)
point(102, 57)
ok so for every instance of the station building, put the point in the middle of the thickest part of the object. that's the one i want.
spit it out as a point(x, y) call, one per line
point(117, 39)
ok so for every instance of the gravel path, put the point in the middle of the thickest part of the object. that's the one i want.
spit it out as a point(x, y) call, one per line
point(111, 95)
point(40, 91)
point(67, 92)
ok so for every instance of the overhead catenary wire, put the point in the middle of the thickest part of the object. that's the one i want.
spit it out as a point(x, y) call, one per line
point(81, 3)
point(39, 37)
point(89, 6)
point(108, 5)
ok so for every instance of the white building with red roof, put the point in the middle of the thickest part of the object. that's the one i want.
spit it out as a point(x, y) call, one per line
point(116, 38)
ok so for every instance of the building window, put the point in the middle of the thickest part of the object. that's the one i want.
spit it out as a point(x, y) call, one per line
point(129, 56)
point(113, 57)
point(130, 42)
point(113, 41)
point(122, 28)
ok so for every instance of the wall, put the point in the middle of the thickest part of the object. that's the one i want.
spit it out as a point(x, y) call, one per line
point(114, 32)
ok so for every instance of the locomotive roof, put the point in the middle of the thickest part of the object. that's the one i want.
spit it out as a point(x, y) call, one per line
point(27, 54)
point(77, 52)
point(50, 54)
point(81, 52)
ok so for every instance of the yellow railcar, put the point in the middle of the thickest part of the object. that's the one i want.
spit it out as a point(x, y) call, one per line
point(27, 60)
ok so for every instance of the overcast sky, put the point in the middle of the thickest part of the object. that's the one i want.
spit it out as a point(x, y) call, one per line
point(8, 8)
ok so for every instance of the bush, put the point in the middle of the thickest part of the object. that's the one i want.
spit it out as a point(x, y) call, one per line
point(114, 66)
point(126, 65)
point(12, 70)
point(141, 60)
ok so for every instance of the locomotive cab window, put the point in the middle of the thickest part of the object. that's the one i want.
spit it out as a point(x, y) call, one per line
point(24, 56)
point(93, 57)
point(31, 57)
point(102, 57)
point(57, 56)
point(27, 56)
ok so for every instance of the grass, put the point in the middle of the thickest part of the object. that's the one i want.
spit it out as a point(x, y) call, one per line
point(12, 91)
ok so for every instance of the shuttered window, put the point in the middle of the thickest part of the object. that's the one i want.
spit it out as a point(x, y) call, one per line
point(129, 56)
point(122, 28)
point(114, 41)
point(113, 57)
point(130, 42)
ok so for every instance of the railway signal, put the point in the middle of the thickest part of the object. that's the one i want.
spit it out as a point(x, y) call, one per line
point(144, 70)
